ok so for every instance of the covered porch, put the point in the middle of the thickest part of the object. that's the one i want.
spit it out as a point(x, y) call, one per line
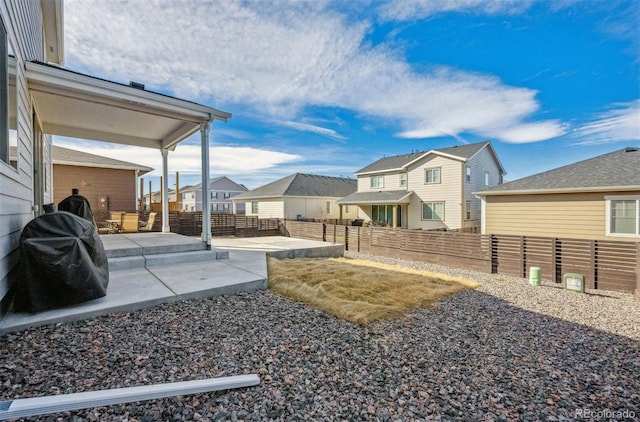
point(387, 208)
point(76, 105)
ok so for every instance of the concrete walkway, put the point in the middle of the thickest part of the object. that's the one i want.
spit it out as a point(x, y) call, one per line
point(146, 269)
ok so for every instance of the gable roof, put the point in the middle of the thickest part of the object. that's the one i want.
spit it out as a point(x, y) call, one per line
point(618, 170)
point(212, 181)
point(300, 184)
point(398, 162)
point(72, 157)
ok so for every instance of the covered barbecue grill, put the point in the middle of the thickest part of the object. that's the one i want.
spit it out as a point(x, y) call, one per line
point(62, 263)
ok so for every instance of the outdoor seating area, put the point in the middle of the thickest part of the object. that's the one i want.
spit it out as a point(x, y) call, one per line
point(127, 222)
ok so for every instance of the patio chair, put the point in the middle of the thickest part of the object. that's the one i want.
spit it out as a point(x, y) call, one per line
point(129, 222)
point(148, 225)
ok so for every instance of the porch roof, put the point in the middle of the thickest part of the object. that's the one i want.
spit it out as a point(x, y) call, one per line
point(73, 104)
point(393, 197)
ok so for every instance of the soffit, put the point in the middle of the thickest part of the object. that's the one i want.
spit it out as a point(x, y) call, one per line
point(76, 105)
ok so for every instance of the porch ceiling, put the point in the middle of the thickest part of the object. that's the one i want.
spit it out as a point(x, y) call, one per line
point(391, 197)
point(73, 104)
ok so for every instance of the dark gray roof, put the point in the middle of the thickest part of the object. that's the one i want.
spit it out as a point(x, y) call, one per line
point(398, 161)
point(613, 170)
point(72, 157)
point(380, 197)
point(300, 184)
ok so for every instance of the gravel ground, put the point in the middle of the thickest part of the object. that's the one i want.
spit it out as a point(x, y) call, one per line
point(505, 351)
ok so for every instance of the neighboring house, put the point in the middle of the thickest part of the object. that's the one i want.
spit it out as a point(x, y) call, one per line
point(108, 184)
point(596, 199)
point(40, 99)
point(222, 189)
point(156, 198)
point(427, 190)
point(299, 196)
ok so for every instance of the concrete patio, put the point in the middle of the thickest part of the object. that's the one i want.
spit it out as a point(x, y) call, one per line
point(146, 269)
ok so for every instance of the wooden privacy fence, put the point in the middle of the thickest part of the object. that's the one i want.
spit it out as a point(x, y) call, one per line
point(606, 265)
point(190, 224)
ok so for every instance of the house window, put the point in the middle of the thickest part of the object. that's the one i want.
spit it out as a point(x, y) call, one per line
point(432, 175)
point(468, 209)
point(227, 195)
point(8, 101)
point(214, 195)
point(327, 207)
point(623, 217)
point(403, 179)
point(467, 171)
point(193, 195)
point(254, 207)
point(347, 209)
point(382, 214)
point(486, 178)
point(377, 181)
point(225, 207)
point(433, 210)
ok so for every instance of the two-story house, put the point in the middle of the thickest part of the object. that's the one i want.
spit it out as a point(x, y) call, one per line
point(427, 190)
point(222, 189)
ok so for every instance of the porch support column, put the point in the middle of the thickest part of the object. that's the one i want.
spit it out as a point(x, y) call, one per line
point(165, 191)
point(395, 216)
point(206, 196)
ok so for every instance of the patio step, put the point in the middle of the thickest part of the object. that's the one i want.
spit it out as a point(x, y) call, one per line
point(158, 259)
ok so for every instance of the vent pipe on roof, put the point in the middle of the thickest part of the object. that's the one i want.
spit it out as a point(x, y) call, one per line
point(136, 85)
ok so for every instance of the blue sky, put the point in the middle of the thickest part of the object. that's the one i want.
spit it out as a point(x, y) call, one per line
point(327, 87)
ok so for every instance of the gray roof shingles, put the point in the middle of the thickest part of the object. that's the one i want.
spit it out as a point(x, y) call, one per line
point(300, 184)
point(398, 161)
point(616, 169)
point(68, 156)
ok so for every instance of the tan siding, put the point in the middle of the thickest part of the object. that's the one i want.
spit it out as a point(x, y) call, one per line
point(580, 216)
point(311, 207)
point(449, 191)
point(391, 182)
point(118, 185)
point(269, 208)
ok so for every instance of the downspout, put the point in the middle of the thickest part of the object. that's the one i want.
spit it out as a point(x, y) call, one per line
point(165, 191)
point(206, 196)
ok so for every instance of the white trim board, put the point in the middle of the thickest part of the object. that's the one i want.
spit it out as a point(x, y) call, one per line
point(34, 406)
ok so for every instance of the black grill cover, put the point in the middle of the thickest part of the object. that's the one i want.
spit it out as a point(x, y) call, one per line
point(62, 262)
point(78, 205)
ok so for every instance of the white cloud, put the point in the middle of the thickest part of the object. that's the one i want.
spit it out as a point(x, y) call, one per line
point(306, 127)
point(275, 61)
point(419, 9)
point(620, 123)
point(224, 160)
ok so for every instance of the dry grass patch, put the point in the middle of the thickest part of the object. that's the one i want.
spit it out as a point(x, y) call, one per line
point(357, 290)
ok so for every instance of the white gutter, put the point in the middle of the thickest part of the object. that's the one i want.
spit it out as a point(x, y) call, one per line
point(558, 190)
point(20, 408)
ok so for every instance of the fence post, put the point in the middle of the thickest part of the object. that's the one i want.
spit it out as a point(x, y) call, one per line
point(523, 259)
point(638, 271)
point(346, 238)
point(592, 281)
point(324, 232)
point(554, 260)
point(493, 245)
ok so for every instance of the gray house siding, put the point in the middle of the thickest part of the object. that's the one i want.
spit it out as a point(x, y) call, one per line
point(23, 23)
